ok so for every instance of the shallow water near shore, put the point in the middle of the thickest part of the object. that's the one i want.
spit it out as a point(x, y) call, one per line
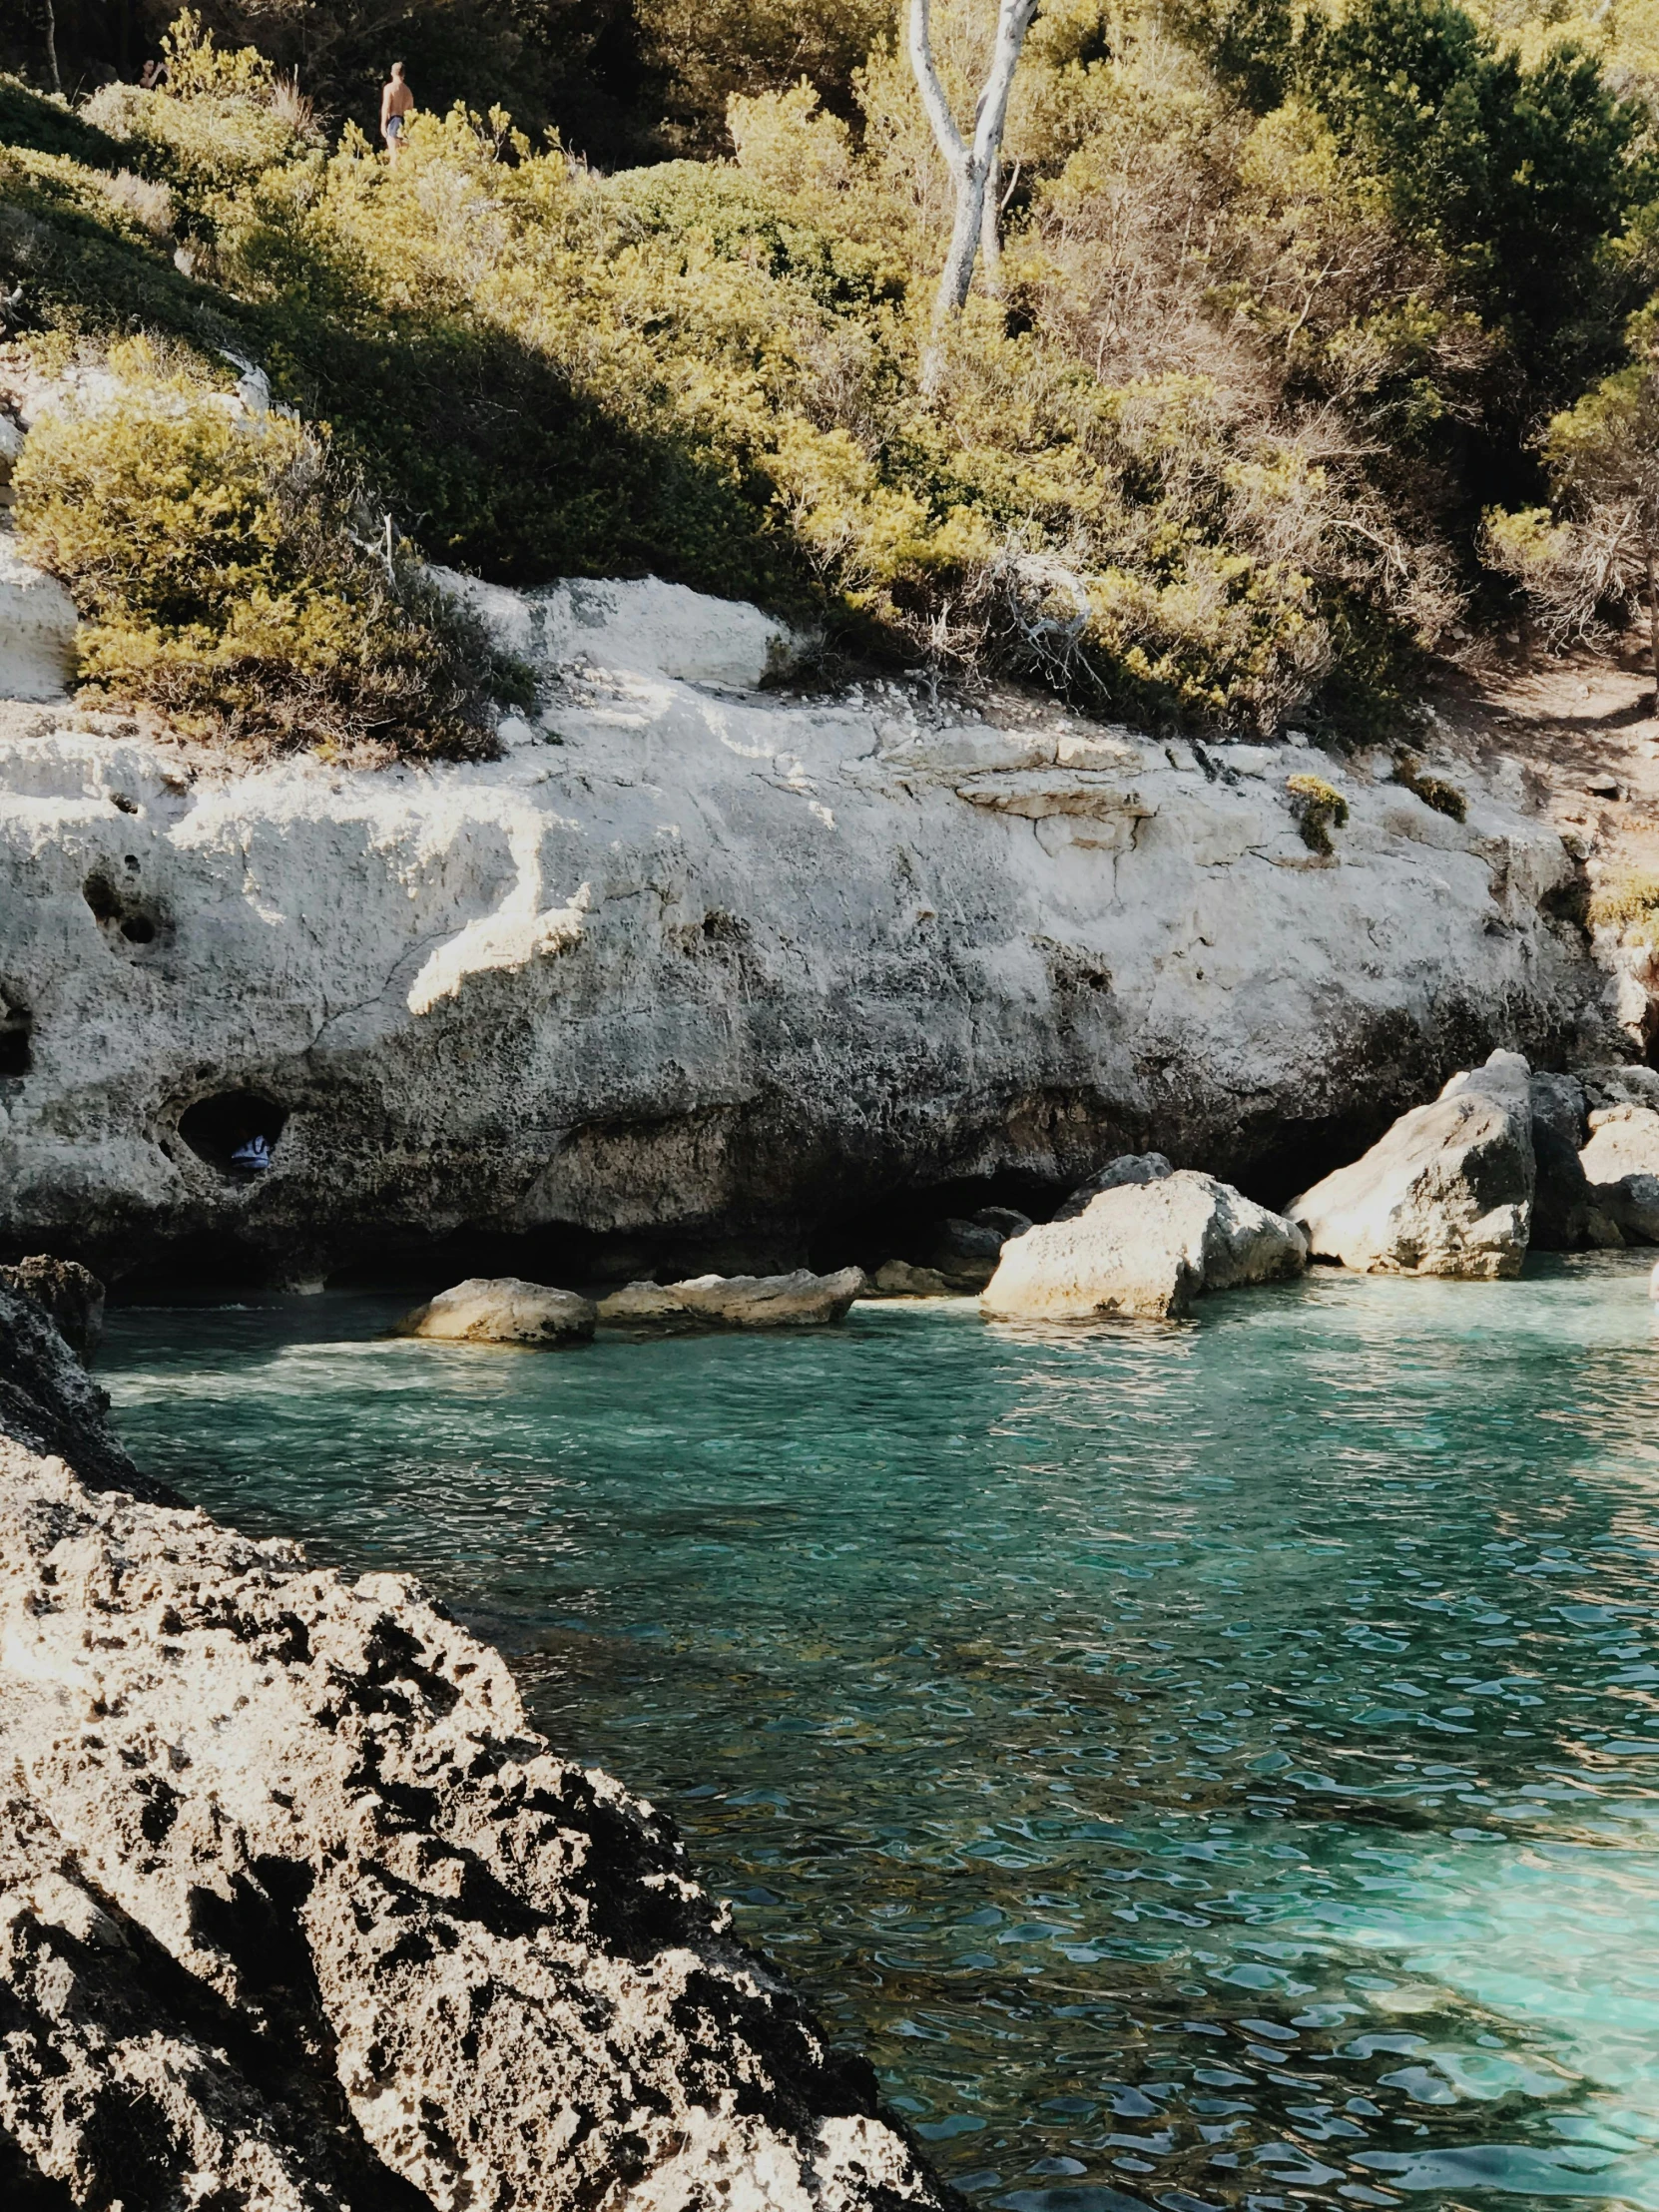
point(1210, 1765)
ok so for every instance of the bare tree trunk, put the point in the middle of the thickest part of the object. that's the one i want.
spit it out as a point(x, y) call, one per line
point(51, 19)
point(991, 230)
point(975, 165)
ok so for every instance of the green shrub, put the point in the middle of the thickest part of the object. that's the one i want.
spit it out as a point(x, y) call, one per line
point(225, 576)
point(1319, 808)
point(1434, 791)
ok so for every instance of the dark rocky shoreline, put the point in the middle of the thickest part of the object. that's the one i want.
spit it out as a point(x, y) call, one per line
point(302, 1915)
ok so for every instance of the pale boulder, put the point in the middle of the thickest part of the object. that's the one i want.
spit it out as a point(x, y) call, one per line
point(502, 1310)
point(1143, 1251)
point(1621, 1165)
point(1128, 1166)
point(1624, 1140)
point(1448, 1191)
point(799, 1300)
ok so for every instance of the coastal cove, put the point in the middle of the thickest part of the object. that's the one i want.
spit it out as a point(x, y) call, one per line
point(1199, 1765)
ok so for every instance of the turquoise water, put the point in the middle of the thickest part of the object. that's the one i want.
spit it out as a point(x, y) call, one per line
point(1211, 1765)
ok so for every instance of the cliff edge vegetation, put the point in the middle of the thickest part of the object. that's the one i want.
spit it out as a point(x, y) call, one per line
point(1283, 313)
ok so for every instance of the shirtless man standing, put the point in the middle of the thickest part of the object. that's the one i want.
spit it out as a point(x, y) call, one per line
point(396, 103)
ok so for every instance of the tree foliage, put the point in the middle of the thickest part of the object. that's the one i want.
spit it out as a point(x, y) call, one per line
point(1217, 456)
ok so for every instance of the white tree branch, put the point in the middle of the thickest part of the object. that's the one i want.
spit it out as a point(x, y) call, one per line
point(975, 169)
point(925, 71)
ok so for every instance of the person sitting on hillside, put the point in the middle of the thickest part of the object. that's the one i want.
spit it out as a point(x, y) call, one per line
point(396, 104)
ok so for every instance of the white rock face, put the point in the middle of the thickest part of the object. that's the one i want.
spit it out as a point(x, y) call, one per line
point(799, 1300)
point(502, 1310)
point(37, 628)
point(645, 628)
point(1448, 1190)
point(1143, 1251)
point(710, 967)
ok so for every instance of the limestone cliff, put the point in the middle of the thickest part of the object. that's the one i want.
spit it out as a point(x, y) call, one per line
point(298, 1915)
point(719, 963)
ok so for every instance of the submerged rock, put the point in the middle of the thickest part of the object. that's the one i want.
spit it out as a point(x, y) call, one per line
point(1448, 1190)
point(301, 1917)
point(797, 1301)
point(1144, 1251)
point(70, 1294)
point(503, 1309)
point(1128, 1166)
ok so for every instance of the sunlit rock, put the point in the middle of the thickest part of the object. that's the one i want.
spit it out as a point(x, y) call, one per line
point(502, 1310)
point(1144, 1251)
point(1448, 1191)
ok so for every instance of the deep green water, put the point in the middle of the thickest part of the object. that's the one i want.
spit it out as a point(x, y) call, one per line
point(1215, 1764)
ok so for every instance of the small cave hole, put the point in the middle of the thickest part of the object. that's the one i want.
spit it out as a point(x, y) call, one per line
point(237, 1133)
point(16, 1030)
point(123, 913)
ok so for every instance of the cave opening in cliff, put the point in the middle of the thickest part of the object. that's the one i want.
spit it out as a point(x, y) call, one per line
point(911, 1223)
point(126, 915)
point(16, 1037)
point(221, 1129)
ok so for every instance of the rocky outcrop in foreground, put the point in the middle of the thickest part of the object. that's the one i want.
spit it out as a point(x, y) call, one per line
point(298, 1915)
point(699, 967)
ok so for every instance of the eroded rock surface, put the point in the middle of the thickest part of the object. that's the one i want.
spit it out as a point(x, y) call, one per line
point(799, 1300)
point(1144, 1251)
point(1448, 1190)
point(299, 1916)
point(502, 1310)
point(715, 967)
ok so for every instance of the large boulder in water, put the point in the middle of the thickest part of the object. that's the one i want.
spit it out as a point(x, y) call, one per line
point(1448, 1191)
point(799, 1300)
point(503, 1309)
point(1143, 1251)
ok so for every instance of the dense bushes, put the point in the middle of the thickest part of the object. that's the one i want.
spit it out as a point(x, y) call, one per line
point(220, 567)
point(1280, 313)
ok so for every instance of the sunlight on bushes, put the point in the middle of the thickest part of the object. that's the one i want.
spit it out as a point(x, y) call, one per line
point(1211, 458)
point(222, 571)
